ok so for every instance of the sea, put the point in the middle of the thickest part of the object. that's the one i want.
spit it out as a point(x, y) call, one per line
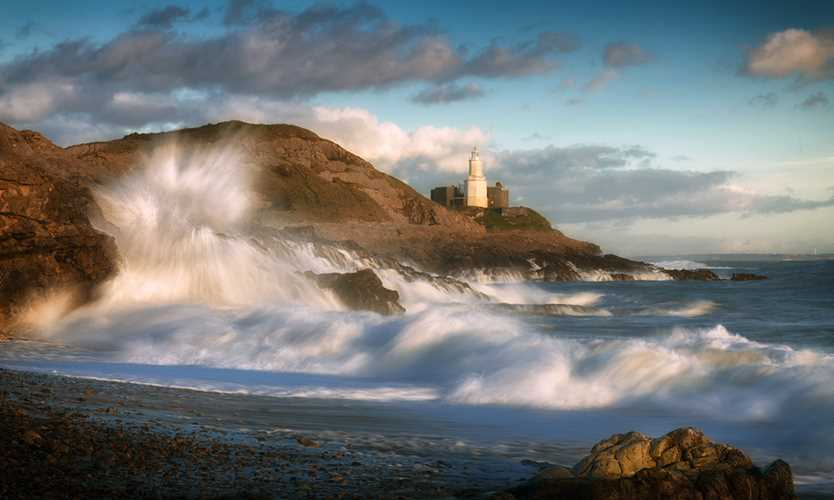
point(526, 371)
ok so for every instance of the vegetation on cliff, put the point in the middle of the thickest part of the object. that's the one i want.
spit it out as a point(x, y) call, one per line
point(516, 218)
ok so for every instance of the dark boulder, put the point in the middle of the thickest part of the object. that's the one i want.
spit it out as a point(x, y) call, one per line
point(692, 274)
point(683, 464)
point(747, 277)
point(360, 291)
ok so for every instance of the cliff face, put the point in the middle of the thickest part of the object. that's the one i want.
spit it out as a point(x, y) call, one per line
point(46, 240)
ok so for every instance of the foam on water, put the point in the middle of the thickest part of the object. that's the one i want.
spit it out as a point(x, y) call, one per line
point(686, 264)
point(476, 357)
point(691, 310)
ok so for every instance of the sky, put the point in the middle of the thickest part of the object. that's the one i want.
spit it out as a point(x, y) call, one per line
point(651, 128)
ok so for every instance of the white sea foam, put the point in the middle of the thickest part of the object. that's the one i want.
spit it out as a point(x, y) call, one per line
point(691, 310)
point(680, 264)
point(600, 275)
point(491, 276)
point(475, 357)
point(686, 264)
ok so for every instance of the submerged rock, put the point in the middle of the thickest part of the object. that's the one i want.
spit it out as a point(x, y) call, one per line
point(692, 274)
point(747, 277)
point(683, 464)
point(360, 291)
point(306, 442)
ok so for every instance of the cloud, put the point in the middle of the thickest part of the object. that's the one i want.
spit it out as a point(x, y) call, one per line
point(793, 52)
point(622, 54)
point(600, 183)
point(164, 17)
point(602, 79)
point(768, 100)
point(526, 58)
point(818, 100)
point(617, 56)
point(238, 11)
point(269, 53)
point(447, 93)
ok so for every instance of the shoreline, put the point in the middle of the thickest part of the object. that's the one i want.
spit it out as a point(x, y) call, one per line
point(69, 437)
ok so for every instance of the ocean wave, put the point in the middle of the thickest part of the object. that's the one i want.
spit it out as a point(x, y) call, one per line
point(553, 309)
point(476, 356)
point(691, 310)
point(686, 264)
point(600, 275)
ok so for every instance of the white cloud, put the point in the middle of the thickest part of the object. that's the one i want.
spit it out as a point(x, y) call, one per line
point(386, 144)
point(790, 52)
point(34, 101)
point(617, 56)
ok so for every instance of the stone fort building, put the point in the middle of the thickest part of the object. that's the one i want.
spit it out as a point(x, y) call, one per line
point(476, 193)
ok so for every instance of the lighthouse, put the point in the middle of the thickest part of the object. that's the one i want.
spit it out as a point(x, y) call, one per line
point(475, 193)
point(476, 184)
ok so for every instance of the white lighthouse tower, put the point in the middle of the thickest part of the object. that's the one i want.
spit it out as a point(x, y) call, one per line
point(476, 184)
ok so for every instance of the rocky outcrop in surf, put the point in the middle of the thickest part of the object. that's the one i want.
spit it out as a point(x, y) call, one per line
point(360, 291)
point(683, 464)
point(692, 274)
point(747, 277)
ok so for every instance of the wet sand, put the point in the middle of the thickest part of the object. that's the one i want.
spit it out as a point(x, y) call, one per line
point(63, 437)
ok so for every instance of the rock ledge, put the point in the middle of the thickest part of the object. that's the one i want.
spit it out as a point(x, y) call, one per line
point(360, 291)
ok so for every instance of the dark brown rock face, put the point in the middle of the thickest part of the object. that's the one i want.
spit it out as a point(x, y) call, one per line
point(692, 275)
point(46, 240)
point(683, 464)
point(361, 291)
point(747, 277)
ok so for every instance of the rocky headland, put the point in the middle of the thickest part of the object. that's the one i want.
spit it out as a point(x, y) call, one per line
point(306, 186)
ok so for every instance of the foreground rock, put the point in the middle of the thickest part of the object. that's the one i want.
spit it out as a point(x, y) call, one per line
point(683, 464)
point(361, 291)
